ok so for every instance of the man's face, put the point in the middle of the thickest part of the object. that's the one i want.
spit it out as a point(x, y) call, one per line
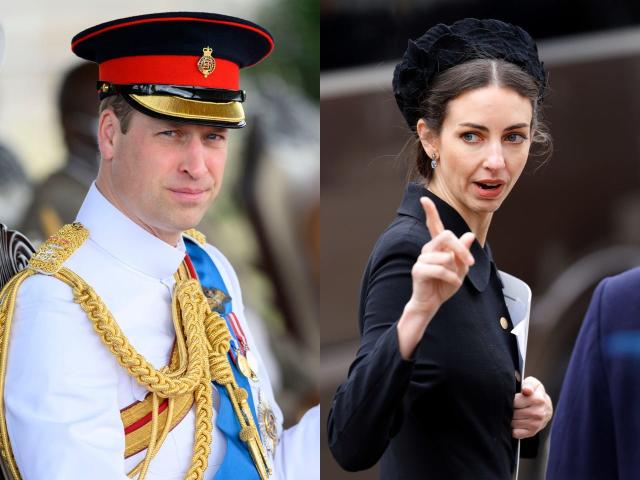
point(163, 175)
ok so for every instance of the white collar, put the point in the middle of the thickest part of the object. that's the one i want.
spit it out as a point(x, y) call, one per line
point(120, 236)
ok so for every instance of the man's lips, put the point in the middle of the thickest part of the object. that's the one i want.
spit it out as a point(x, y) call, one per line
point(192, 191)
point(189, 193)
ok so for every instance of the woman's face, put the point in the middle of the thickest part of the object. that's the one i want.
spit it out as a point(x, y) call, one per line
point(482, 149)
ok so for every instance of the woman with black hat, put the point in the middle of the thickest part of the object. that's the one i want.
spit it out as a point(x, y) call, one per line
point(435, 390)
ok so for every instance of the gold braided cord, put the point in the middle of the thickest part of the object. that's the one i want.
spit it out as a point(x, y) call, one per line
point(219, 343)
point(181, 346)
point(157, 381)
point(137, 440)
point(203, 440)
point(152, 440)
point(163, 383)
point(7, 307)
point(221, 373)
point(191, 308)
point(202, 345)
point(163, 436)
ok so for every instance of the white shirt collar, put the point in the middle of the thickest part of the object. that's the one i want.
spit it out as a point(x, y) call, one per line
point(116, 233)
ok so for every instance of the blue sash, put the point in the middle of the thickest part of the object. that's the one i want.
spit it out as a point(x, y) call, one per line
point(237, 463)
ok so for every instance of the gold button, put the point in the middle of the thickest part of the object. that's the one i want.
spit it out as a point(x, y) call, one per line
point(518, 376)
point(504, 323)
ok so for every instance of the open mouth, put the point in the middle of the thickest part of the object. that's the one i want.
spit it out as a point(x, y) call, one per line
point(488, 186)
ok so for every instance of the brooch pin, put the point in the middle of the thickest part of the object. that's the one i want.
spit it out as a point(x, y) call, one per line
point(216, 299)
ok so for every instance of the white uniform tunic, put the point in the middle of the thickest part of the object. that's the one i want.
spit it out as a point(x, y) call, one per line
point(64, 389)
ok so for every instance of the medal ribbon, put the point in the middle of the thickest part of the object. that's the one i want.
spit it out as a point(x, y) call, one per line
point(238, 332)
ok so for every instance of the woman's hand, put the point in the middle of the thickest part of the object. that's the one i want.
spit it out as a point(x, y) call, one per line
point(437, 274)
point(532, 409)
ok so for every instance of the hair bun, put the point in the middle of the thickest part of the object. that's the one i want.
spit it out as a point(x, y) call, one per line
point(443, 47)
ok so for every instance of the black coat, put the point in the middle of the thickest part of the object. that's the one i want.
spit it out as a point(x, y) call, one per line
point(445, 413)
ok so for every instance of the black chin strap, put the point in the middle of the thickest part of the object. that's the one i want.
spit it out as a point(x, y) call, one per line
point(216, 95)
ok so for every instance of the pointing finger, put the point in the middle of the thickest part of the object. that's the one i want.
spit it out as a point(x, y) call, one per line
point(434, 224)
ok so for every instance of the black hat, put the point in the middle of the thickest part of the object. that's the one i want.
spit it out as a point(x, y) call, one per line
point(183, 65)
point(444, 46)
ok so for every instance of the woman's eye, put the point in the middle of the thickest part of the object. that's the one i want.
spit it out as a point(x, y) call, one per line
point(515, 138)
point(470, 137)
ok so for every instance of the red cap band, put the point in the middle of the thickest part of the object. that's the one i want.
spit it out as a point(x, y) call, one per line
point(169, 70)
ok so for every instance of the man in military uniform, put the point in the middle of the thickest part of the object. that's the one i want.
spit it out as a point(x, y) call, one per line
point(124, 342)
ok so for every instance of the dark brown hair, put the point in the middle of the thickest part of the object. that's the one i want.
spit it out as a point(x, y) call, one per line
point(120, 107)
point(470, 75)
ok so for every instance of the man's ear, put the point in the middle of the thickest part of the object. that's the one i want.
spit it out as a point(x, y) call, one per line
point(108, 130)
point(429, 139)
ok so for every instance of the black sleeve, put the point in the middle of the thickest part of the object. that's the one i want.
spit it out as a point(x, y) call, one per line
point(366, 411)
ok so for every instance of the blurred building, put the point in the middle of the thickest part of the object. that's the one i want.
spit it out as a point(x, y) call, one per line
point(566, 225)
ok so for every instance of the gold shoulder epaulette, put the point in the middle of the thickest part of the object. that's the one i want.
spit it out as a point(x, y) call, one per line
point(51, 255)
point(196, 235)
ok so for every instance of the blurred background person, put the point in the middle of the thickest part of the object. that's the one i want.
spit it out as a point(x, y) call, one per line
point(266, 222)
point(57, 200)
point(15, 188)
point(585, 202)
point(598, 421)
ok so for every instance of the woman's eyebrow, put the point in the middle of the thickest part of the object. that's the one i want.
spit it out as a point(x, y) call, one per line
point(517, 126)
point(474, 125)
point(485, 129)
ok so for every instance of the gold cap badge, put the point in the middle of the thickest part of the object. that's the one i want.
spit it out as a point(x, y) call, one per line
point(206, 64)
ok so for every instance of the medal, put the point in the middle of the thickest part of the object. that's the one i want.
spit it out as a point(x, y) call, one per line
point(268, 425)
point(253, 362)
point(246, 361)
point(244, 367)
